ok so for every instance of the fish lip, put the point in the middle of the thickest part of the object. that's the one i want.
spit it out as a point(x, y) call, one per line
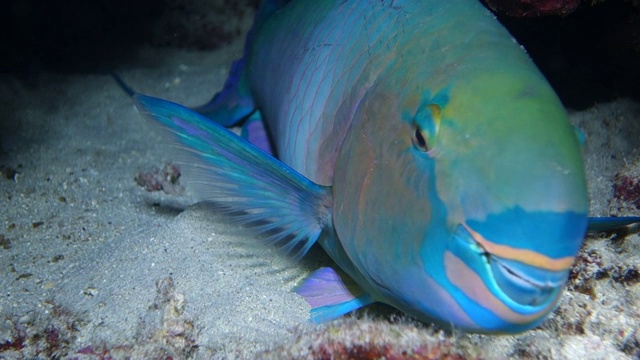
point(523, 284)
point(535, 289)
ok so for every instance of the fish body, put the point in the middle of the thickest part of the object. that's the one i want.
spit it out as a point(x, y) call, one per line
point(416, 142)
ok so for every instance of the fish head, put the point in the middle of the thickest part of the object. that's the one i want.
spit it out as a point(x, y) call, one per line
point(465, 205)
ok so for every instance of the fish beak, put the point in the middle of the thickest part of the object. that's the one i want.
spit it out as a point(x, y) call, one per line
point(525, 284)
point(510, 280)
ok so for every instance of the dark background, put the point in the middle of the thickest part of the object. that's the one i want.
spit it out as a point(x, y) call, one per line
point(591, 55)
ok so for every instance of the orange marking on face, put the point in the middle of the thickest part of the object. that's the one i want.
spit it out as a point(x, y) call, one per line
point(472, 285)
point(524, 256)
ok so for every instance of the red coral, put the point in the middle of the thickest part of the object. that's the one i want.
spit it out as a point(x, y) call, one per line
point(627, 188)
point(530, 8)
point(338, 350)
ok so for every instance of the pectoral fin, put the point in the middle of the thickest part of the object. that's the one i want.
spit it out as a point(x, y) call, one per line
point(622, 226)
point(266, 196)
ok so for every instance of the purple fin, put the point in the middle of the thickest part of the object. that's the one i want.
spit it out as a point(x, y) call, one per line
point(331, 295)
point(254, 131)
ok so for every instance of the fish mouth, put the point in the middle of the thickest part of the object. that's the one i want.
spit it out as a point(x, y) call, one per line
point(525, 284)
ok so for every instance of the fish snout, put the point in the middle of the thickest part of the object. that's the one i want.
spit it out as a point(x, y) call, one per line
point(525, 284)
point(517, 286)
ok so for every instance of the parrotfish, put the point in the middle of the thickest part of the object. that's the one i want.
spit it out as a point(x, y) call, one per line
point(414, 140)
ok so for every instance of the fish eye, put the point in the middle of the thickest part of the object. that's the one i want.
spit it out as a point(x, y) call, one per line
point(419, 139)
point(426, 123)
